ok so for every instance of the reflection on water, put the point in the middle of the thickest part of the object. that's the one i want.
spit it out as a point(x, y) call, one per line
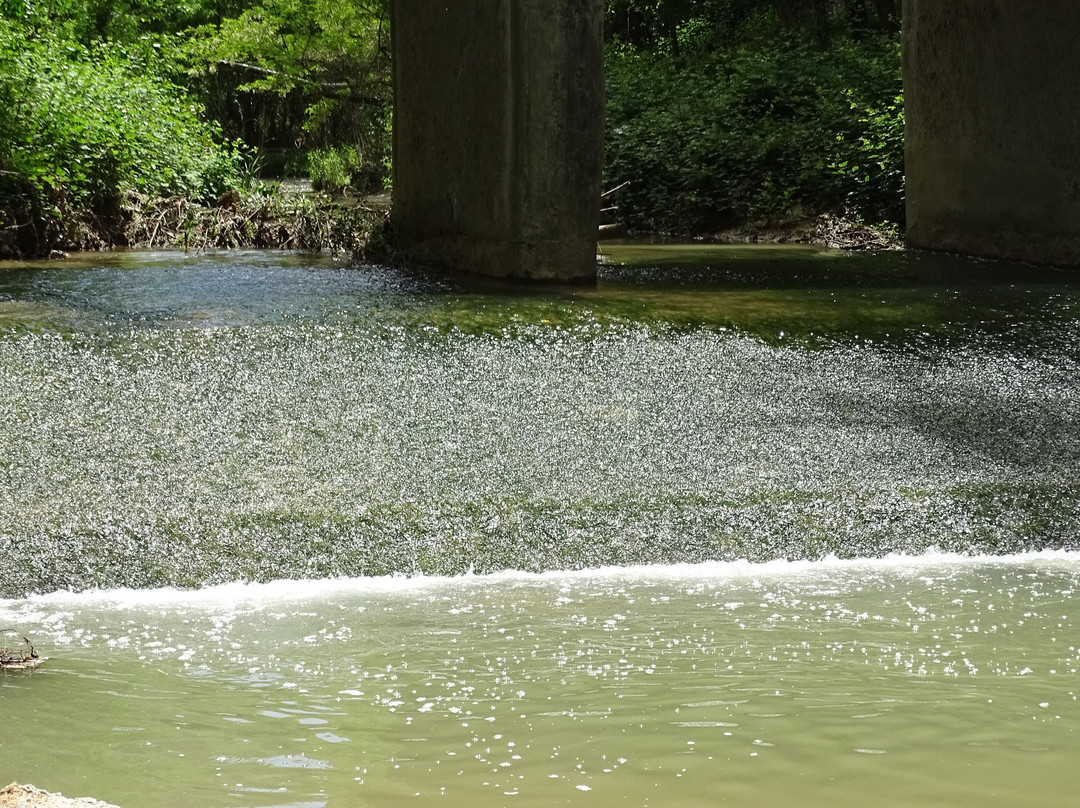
point(932, 681)
point(790, 295)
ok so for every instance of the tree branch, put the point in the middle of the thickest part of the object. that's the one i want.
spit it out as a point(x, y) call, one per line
point(328, 89)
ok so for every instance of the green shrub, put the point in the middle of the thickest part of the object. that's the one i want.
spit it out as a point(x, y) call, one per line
point(80, 127)
point(870, 166)
point(333, 169)
point(756, 133)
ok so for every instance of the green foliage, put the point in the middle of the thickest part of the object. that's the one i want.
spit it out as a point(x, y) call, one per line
point(93, 123)
point(871, 168)
point(304, 43)
point(720, 111)
point(81, 126)
point(680, 27)
point(126, 21)
point(333, 169)
point(282, 75)
point(330, 56)
point(759, 132)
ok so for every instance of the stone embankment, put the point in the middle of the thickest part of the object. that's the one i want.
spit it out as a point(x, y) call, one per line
point(17, 796)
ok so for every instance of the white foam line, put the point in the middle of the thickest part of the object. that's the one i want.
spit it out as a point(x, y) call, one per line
point(237, 594)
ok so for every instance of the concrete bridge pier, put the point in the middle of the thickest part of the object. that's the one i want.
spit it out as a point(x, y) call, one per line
point(992, 98)
point(498, 135)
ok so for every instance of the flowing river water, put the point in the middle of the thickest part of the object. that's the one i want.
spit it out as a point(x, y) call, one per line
point(748, 527)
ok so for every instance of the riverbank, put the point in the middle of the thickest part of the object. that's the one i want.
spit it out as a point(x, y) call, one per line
point(271, 216)
point(825, 230)
point(284, 217)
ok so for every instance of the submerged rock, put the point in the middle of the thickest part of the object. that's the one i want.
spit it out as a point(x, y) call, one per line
point(18, 796)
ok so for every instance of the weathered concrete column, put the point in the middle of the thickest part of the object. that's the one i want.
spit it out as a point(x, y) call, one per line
point(498, 135)
point(992, 96)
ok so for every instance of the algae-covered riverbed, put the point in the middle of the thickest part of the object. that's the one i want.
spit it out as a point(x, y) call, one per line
point(170, 419)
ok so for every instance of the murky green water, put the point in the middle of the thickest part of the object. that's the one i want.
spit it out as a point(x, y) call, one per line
point(928, 682)
point(198, 421)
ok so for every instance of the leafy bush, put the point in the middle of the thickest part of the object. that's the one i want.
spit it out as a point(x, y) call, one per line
point(314, 74)
point(757, 133)
point(333, 169)
point(96, 123)
point(82, 126)
point(87, 21)
point(871, 167)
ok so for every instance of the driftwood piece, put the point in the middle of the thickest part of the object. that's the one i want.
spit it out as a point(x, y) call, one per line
point(614, 190)
point(845, 234)
point(21, 658)
point(611, 231)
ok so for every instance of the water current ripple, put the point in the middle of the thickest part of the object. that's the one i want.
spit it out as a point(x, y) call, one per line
point(317, 443)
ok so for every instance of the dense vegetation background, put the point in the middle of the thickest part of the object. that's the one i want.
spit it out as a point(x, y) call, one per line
point(729, 113)
point(721, 113)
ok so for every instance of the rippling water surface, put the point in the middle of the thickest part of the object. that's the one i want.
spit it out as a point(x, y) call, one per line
point(191, 420)
point(937, 681)
point(834, 497)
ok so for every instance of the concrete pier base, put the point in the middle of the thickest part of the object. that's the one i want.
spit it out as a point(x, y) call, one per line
point(498, 135)
point(992, 97)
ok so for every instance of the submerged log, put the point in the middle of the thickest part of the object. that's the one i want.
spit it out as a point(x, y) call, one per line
point(18, 796)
